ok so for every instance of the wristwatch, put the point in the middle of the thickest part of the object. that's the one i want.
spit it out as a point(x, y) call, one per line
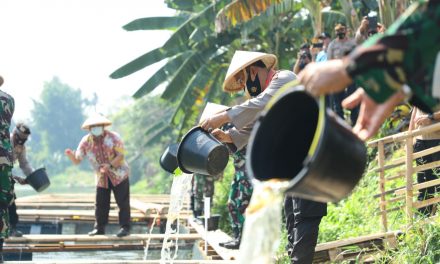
point(431, 117)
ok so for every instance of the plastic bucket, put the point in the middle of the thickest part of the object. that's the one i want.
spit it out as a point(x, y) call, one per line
point(297, 139)
point(200, 152)
point(38, 180)
point(168, 160)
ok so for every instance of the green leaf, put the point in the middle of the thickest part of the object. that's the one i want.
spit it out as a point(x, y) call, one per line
point(155, 23)
point(191, 65)
point(162, 74)
point(143, 61)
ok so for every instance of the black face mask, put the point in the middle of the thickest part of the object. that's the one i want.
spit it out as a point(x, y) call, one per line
point(253, 87)
point(341, 35)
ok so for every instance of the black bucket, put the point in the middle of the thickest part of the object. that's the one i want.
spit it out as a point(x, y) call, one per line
point(38, 180)
point(297, 139)
point(168, 160)
point(200, 152)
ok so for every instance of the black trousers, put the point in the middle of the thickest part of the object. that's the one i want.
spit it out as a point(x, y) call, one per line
point(427, 175)
point(13, 216)
point(102, 204)
point(302, 222)
point(337, 103)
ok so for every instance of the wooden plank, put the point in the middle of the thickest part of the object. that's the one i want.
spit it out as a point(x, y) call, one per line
point(419, 186)
point(404, 135)
point(70, 213)
point(97, 238)
point(427, 166)
point(382, 205)
point(215, 237)
point(391, 191)
point(426, 202)
point(400, 161)
point(148, 208)
point(409, 180)
point(393, 200)
point(399, 175)
point(95, 261)
point(355, 240)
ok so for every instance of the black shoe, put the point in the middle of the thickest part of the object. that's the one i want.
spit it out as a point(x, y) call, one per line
point(222, 244)
point(234, 244)
point(96, 231)
point(123, 232)
point(13, 232)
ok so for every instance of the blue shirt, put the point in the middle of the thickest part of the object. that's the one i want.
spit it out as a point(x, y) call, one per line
point(321, 56)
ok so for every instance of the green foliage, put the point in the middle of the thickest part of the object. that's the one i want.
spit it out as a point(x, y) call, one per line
point(419, 244)
point(56, 125)
point(221, 196)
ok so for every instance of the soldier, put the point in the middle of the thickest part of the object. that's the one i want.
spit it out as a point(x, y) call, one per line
point(403, 63)
point(239, 198)
point(18, 139)
point(6, 164)
point(203, 187)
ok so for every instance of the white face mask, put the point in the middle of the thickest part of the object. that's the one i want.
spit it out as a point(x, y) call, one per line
point(97, 131)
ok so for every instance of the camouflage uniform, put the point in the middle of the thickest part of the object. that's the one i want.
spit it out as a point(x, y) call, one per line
point(203, 186)
point(6, 161)
point(240, 192)
point(405, 54)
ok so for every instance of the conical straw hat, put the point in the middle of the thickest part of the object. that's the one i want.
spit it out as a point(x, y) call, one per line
point(95, 120)
point(211, 109)
point(240, 61)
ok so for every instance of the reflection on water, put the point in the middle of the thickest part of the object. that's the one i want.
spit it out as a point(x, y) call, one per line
point(261, 233)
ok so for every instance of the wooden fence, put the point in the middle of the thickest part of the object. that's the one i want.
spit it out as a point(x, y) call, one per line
point(402, 196)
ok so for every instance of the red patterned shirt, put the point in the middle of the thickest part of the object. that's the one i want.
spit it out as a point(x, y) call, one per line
point(101, 150)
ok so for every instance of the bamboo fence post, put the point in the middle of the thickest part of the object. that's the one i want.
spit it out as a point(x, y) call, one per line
point(382, 205)
point(409, 180)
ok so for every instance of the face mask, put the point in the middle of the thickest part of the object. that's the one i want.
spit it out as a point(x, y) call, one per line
point(341, 35)
point(253, 87)
point(97, 131)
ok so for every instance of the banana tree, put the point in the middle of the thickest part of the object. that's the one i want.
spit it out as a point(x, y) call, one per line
point(196, 56)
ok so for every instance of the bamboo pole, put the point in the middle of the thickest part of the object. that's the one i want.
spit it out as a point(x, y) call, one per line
point(404, 135)
point(409, 180)
point(382, 204)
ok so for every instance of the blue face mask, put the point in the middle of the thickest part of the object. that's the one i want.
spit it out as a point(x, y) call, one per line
point(97, 131)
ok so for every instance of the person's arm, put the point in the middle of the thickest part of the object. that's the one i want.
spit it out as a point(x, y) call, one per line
point(412, 120)
point(330, 52)
point(245, 113)
point(296, 66)
point(71, 154)
point(404, 54)
point(24, 163)
point(361, 32)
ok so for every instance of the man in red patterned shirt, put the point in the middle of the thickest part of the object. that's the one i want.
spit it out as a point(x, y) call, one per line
point(105, 151)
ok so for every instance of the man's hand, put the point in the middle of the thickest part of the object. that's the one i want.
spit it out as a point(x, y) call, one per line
point(20, 180)
point(222, 136)
point(364, 25)
point(423, 120)
point(214, 121)
point(69, 153)
point(381, 28)
point(325, 77)
point(371, 115)
point(103, 168)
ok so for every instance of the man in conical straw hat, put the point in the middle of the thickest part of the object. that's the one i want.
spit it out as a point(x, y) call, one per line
point(254, 72)
point(105, 151)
